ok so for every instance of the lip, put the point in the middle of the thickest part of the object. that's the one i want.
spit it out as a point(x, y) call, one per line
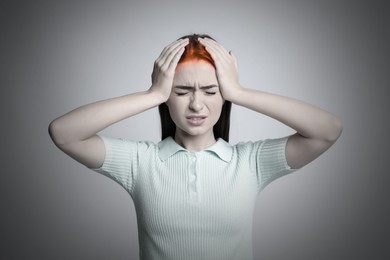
point(196, 120)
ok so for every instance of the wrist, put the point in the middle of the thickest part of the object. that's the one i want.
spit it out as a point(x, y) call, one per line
point(157, 95)
point(234, 94)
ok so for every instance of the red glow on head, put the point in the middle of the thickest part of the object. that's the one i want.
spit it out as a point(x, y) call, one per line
point(195, 51)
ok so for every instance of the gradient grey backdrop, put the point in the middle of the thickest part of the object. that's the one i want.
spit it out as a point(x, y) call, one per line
point(57, 55)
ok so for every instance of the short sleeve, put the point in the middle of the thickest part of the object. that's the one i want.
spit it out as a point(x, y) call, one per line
point(271, 162)
point(121, 162)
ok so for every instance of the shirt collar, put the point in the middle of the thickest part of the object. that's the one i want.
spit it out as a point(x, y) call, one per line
point(169, 147)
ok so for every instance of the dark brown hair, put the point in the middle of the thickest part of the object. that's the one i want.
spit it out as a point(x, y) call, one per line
point(196, 51)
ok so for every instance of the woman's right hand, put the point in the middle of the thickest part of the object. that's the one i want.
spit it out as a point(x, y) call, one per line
point(164, 68)
point(75, 133)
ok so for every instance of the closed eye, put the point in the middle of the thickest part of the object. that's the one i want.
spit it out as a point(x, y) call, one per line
point(184, 90)
point(181, 93)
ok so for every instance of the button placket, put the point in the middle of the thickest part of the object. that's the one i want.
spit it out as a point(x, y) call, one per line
point(193, 189)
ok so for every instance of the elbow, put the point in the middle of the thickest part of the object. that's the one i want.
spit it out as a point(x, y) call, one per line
point(335, 130)
point(55, 131)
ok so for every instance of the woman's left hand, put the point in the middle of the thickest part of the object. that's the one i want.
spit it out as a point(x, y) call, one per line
point(226, 68)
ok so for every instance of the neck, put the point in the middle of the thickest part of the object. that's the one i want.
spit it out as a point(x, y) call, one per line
point(194, 143)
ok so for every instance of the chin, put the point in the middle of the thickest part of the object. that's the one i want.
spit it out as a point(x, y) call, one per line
point(194, 131)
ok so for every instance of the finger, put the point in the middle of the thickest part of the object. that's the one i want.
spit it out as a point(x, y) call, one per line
point(174, 54)
point(164, 61)
point(212, 51)
point(218, 56)
point(217, 51)
point(169, 48)
point(172, 46)
point(175, 59)
point(234, 58)
point(216, 45)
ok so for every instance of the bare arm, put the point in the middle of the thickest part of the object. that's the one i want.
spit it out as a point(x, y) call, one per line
point(75, 132)
point(316, 129)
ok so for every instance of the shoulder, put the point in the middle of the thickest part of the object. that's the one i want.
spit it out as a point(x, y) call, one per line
point(247, 146)
point(262, 150)
point(125, 144)
point(262, 144)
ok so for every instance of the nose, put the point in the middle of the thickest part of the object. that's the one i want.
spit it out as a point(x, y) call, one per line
point(196, 102)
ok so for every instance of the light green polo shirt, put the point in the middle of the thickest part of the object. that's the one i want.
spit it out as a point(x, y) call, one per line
point(194, 205)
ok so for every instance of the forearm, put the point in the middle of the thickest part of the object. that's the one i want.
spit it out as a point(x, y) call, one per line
point(85, 121)
point(308, 120)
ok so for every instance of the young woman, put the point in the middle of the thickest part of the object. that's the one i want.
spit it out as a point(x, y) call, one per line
point(193, 192)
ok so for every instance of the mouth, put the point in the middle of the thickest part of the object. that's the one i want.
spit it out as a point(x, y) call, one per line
point(196, 120)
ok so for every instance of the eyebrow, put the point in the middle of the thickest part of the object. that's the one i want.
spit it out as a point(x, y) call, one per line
point(191, 87)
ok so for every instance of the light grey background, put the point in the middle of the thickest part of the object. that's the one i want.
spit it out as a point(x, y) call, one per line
point(58, 55)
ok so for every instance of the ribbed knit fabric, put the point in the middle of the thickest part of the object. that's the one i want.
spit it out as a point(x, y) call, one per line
point(194, 205)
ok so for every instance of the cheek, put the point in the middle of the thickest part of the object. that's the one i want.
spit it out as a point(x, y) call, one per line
point(216, 106)
point(175, 106)
point(219, 100)
point(172, 101)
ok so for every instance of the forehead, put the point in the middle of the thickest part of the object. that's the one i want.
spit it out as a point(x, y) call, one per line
point(195, 72)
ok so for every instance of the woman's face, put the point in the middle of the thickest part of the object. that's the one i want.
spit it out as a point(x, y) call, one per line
point(195, 102)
